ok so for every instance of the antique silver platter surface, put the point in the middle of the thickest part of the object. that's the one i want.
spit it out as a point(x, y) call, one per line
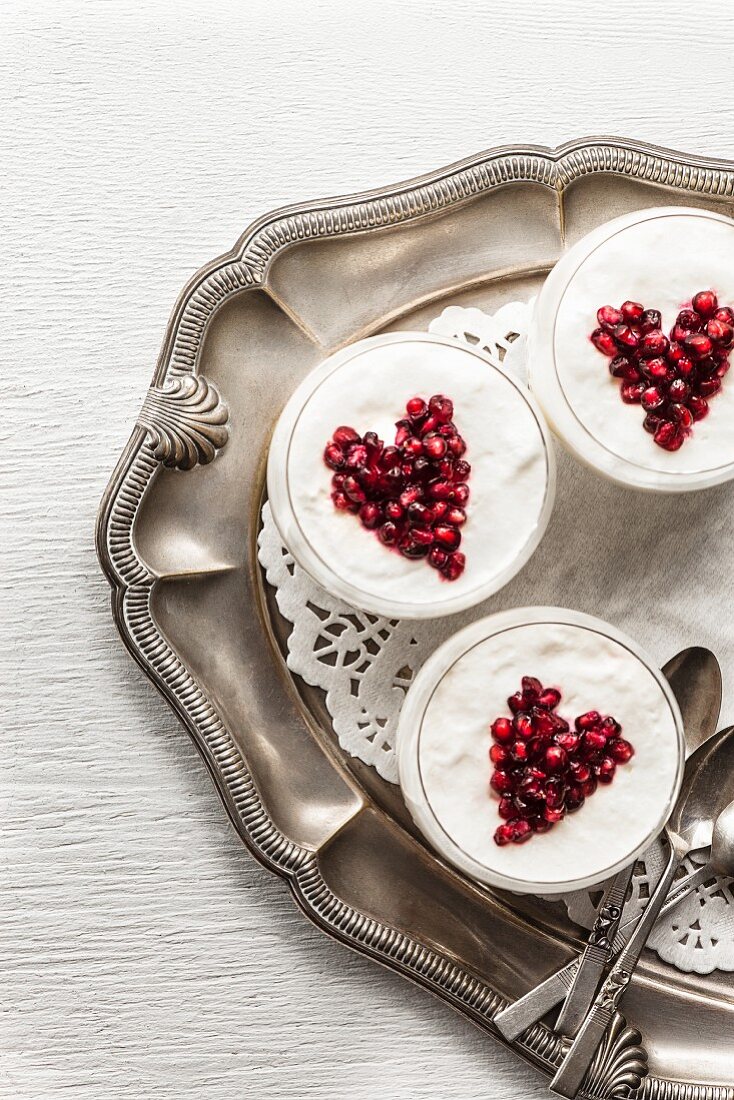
point(177, 537)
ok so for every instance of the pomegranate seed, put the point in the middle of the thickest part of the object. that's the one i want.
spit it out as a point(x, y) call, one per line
point(605, 771)
point(437, 557)
point(521, 831)
point(619, 366)
point(456, 516)
point(698, 345)
point(498, 754)
point(447, 536)
point(434, 445)
point(516, 702)
point(689, 320)
point(506, 808)
point(440, 490)
point(604, 342)
point(725, 314)
point(531, 687)
point(503, 834)
point(568, 741)
point(609, 316)
point(669, 436)
point(416, 408)
point(412, 547)
point(699, 407)
point(462, 470)
point(652, 423)
point(413, 446)
point(580, 771)
point(632, 312)
point(589, 720)
point(522, 724)
point(519, 752)
point(652, 398)
point(460, 493)
point(624, 337)
point(345, 435)
point(556, 758)
point(611, 728)
point(341, 503)
point(553, 815)
point(653, 343)
point(456, 445)
point(334, 456)
point(441, 407)
point(720, 332)
point(555, 794)
point(682, 416)
point(657, 370)
point(632, 392)
point(550, 698)
point(621, 751)
point(574, 798)
point(502, 730)
point(705, 303)
point(650, 320)
point(709, 386)
point(678, 390)
point(388, 533)
point(588, 787)
point(370, 514)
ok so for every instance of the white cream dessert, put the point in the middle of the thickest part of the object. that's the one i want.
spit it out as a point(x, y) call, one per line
point(509, 487)
point(661, 259)
point(445, 737)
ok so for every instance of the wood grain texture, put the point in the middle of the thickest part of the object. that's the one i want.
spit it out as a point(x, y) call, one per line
point(143, 952)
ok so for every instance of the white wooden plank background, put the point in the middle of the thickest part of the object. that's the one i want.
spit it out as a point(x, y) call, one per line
point(142, 952)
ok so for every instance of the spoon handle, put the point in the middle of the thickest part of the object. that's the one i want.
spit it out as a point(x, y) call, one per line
point(595, 955)
point(569, 1077)
point(527, 1010)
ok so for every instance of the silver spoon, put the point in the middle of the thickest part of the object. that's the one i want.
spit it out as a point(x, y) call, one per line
point(695, 677)
point(708, 787)
point(720, 862)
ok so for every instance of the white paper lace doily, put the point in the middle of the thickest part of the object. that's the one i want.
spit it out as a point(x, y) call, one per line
point(365, 664)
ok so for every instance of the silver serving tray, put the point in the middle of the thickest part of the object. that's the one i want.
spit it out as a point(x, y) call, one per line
point(177, 539)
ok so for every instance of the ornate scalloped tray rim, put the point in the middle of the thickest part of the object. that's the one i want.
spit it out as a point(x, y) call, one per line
point(183, 422)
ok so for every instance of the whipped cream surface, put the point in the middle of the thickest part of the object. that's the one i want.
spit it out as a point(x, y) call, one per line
point(593, 672)
point(505, 446)
point(662, 262)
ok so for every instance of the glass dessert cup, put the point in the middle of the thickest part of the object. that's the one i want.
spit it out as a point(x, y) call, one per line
point(367, 386)
point(660, 258)
point(444, 738)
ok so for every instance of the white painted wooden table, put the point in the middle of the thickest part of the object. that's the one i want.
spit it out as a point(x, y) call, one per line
point(143, 952)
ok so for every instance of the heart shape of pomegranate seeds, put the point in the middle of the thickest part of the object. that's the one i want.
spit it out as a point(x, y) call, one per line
point(543, 769)
point(674, 377)
point(413, 494)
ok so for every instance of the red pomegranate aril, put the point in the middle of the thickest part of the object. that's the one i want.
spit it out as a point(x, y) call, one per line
point(657, 370)
point(498, 754)
point(434, 445)
point(698, 345)
point(549, 698)
point(344, 436)
point(540, 825)
point(456, 516)
point(653, 343)
point(619, 365)
point(447, 536)
point(725, 314)
point(594, 741)
point(632, 312)
point(699, 407)
point(441, 407)
point(604, 342)
point(394, 510)
point(516, 702)
point(589, 720)
point(413, 446)
point(568, 741)
point(522, 724)
point(580, 771)
point(574, 798)
point(416, 408)
point(460, 493)
point(388, 533)
point(371, 514)
point(555, 794)
point(685, 367)
point(652, 398)
point(506, 808)
point(678, 390)
point(354, 490)
point(519, 752)
point(669, 436)
point(455, 566)
point(412, 547)
point(437, 557)
point(720, 333)
point(611, 728)
point(709, 386)
point(650, 320)
point(440, 490)
point(553, 816)
point(652, 423)
point(531, 688)
point(462, 469)
point(689, 319)
point(588, 786)
point(556, 758)
point(334, 456)
point(705, 303)
point(632, 392)
point(456, 445)
point(521, 831)
point(503, 834)
point(621, 751)
point(624, 337)
point(605, 771)
point(682, 416)
point(502, 730)
point(609, 316)
point(341, 502)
